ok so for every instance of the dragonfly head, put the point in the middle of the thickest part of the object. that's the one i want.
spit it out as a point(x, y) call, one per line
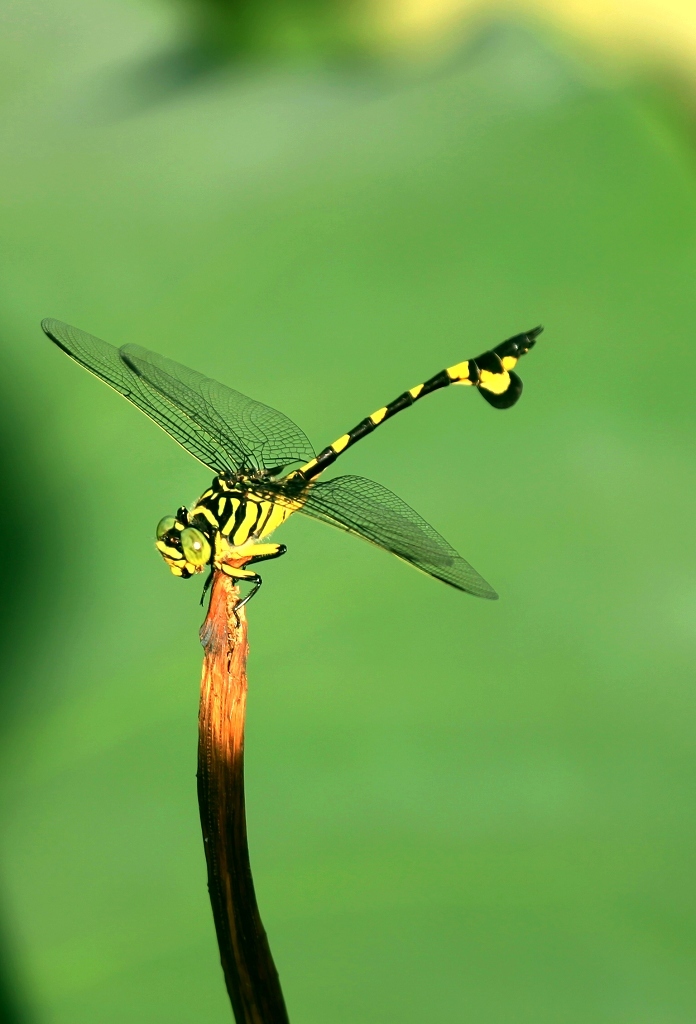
point(184, 548)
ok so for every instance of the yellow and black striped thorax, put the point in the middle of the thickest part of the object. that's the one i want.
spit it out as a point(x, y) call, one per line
point(228, 523)
point(241, 510)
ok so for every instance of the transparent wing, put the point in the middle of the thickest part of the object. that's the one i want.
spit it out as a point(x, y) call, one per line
point(369, 510)
point(222, 428)
point(264, 437)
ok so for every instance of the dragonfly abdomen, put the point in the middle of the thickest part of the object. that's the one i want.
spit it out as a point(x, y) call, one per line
point(491, 373)
point(371, 422)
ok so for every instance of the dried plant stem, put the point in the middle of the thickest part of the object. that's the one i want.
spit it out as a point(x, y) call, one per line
point(250, 974)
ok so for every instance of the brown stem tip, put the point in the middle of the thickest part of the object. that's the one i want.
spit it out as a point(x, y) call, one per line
point(250, 974)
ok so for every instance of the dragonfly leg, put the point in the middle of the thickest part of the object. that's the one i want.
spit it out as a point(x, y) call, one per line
point(254, 577)
point(256, 582)
point(206, 585)
point(243, 574)
point(266, 553)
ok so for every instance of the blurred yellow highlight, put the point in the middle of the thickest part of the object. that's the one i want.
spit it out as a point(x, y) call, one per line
point(656, 28)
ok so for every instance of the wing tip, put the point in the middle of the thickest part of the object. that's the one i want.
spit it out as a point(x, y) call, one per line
point(47, 324)
point(51, 328)
point(485, 590)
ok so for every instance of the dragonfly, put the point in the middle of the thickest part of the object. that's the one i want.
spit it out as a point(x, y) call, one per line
point(266, 469)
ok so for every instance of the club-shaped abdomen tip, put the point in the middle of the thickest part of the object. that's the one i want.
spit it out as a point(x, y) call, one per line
point(505, 399)
point(534, 334)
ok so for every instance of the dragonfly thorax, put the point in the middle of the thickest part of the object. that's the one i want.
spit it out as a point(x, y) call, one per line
point(226, 526)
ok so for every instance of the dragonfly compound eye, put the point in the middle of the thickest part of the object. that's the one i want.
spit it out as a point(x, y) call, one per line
point(195, 547)
point(164, 526)
point(168, 544)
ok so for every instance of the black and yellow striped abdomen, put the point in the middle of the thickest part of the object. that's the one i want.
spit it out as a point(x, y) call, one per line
point(491, 373)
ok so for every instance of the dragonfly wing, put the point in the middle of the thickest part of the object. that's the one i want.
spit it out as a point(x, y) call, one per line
point(258, 436)
point(188, 406)
point(105, 361)
point(365, 508)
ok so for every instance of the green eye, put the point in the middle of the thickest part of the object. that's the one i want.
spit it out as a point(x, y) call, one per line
point(165, 525)
point(195, 546)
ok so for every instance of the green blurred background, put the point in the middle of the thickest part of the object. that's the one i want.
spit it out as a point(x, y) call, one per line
point(458, 810)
